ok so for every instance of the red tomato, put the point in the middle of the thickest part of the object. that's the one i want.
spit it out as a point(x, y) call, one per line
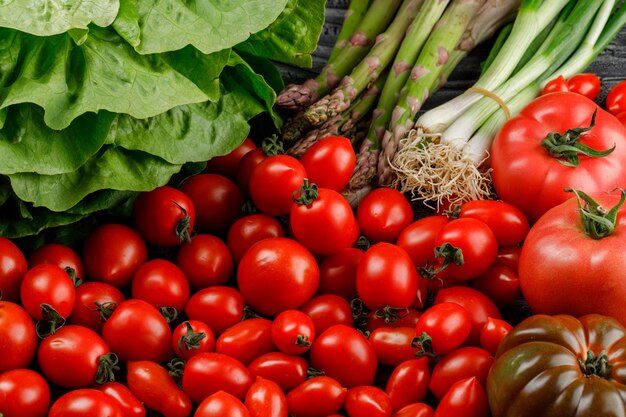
point(616, 98)
point(328, 310)
point(345, 355)
point(210, 372)
point(162, 284)
point(324, 225)
point(467, 398)
point(75, 357)
point(507, 222)
point(192, 337)
point(293, 332)
point(288, 371)
point(408, 383)
point(220, 307)
point(329, 163)
point(385, 277)
point(112, 253)
point(393, 344)
point(246, 340)
point(443, 328)
point(216, 199)
point(137, 331)
point(24, 393)
point(418, 239)
point(367, 401)
point(338, 273)
point(406, 317)
point(246, 167)
point(60, 255)
point(85, 402)
point(509, 256)
point(151, 384)
point(227, 164)
point(316, 397)
point(18, 337)
point(13, 267)
point(94, 303)
point(45, 287)
point(250, 229)
point(265, 399)
point(526, 175)
point(277, 274)
point(273, 182)
point(589, 85)
point(457, 365)
point(130, 405)
point(221, 404)
point(500, 284)
point(415, 410)
point(557, 85)
point(621, 117)
point(383, 214)
point(206, 261)
point(492, 334)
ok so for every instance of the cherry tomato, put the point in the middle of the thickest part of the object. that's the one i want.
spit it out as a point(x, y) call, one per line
point(459, 364)
point(406, 317)
point(112, 253)
point(329, 163)
point(500, 284)
point(338, 273)
point(227, 164)
point(206, 261)
point(130, 405)
point(273, 182)
point(246, 340)
point(13, 267)
point(162, 284)
point(408, 383)
point(367, 401)
point(557, 85)
point(277, 274)
point(616, 98)
point(345, 355)
point(209, 372)
point(328, 310)
point(217, 201)
point(507, 222)
point(393, 344)
point(18, 337)
point(589, 85)
point(418, 239)
point(23, 393)
point(221, 404)
point(250, 229)
point(47, 286)
point(265, 399)
point(492, 334)
point(246, 167)
point(509, 256)
point(288, 371)
point(192, 337)
point(60, 255)
point(383, 214)
point(95, 301)
point(152, 384)
point(415, 410)
point(293, 332)
point(467, 398)
point(85, 402)
point(137, 331)
point(316, 397)
point(220, 307)
point(443, 328)
point(164, 216)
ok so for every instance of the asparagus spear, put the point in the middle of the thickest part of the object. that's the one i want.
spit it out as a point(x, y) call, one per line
point(377, 18)
point(368, 69)
point(352, 18)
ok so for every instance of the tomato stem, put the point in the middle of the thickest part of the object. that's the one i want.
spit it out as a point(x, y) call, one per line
point(183, 226)
point(272, 146)
point(305, 194)
point(106, 309)
point(72, 273)
point(597, 222)
point(303, 340)
point(425, 344)
point(51, 322)
point(391, 314)
point(176, 367)
point(596, 365)
point(191, 340)
point(248, 208)
point(107, 365)
point(450, 254)
point(311, 372)
point(169, 313)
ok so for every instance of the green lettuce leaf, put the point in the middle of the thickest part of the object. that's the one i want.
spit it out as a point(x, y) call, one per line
point(155, 26)
point(51, 17)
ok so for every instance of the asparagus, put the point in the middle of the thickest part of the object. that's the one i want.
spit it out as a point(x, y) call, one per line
point(352, 18)
point(294, 127)
point(376, 20)
point(368, 69)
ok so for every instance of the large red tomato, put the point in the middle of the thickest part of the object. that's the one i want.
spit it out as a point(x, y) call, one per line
point(527, 175)
point(24, 393)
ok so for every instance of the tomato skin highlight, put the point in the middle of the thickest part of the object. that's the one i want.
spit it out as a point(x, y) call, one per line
point(492, 334)
point(462, 363)
point(383, 214)
point(329, 163)
point(507, 222)
point(221, 404)
point(130, 405)
point(557, 85)
point(162, 284)
point(293, 332)
point(408, 383)
point(288, 371)
point(616, 98)
point(586, 84)
point(24, 393)
point(47, 284)
point(466, 397)
point(415, 410)
point(393, 344)
point(316, 397)
point(246, 340)
point(447, 324)
point(220, 307)
point(265, 399)
point(367, 401)
point(273, 182)
point(85, 402)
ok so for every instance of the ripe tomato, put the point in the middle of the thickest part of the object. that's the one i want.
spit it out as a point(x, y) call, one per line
point(24, 393)
point(509, 256)
point(328, 310)
point(557, 85)
point(616, 98)
point(85, 402)
point(408, 383)
point(94, 303)
point(210, 372)
point(500, 284)
point(492, 334)
point(367, 401)
point(46, 287)
point(392, 318)
point(13, 267)
point(329, 162)
point(248, 230)
point(385, 277)
point(273, 182)
point(393, 344)
point(192, 337)
point(345, 355)
point(288, 371)
point(137, 331)
point(383, 214)
point(60, 255)
point(246, 167)
point(338, 273)
point(130, 405)
point(442, 328)
point(418, 239)
point(220, 307)
point(112, 253)
point(151, 384)
point(415, 410)
point(277, 274)
point(164, 216)
point(316, 397)
point(462, 363)
point(206, 261)
point(246, 340)
point(587, 84)
point(293, 332)
point(265, 399)
point(221, 404)
point(162, 284)
point(18, 337)
point(467, 398)
point(507, 222)
point(227, 164)
point(217, 201)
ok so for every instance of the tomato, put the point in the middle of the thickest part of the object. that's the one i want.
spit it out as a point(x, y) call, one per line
point(462, 363)
point(112, 253)
point(442, 328)
point(217, 201)
point(367, 401)
point(220, 307)
point(500, 284)
point(587, 84)
point(76, 357)
point(60, 255)
point(322, 220)
point(492, 334)
point(392, 318)
point(507, 222)
point(418, 239)
point(13, 267)
point(162, 284)
point(94, 302)
point(227, 164)
point(248, 230)
point(557, 85)
point(385, 277)
point(273, 182)
point(408, 383)
point(47, 287)
point(246, 340)
point(85, 402)
point(151, 384)
point(383, 214)
point(265, 399)
point(393, 344)
point(293, 332)
point(509, 256)
point(316, 397)
point(526, 175)
point(616, 98)
point(246, 167)
point(206, 261)
point(344, 354)
point(415, 410)
point(210, 372)
point(466, 397)
point(221, 404)
point(338, 273)
point(288, 371)
point(23, 393)
point(328, 310)
point(192, 337)
point(164, 216)
point(137, 331)
point(126, 400)
point(18, 338)
point(329, 163)
point(621, 117)
point(277, 274)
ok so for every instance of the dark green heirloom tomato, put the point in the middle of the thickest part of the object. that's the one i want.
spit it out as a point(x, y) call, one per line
point(560, 366)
